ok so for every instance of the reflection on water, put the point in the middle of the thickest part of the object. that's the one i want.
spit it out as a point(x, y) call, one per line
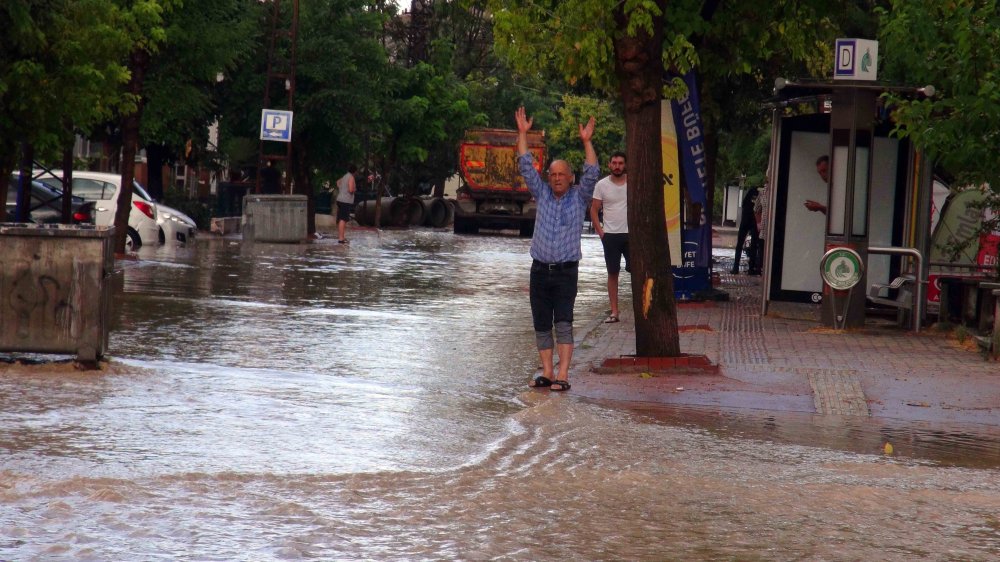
point(322, 402)
point(971, 446)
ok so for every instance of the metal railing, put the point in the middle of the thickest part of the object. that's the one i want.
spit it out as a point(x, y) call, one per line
point(921, 282)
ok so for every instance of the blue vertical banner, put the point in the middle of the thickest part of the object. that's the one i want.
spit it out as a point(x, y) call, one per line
point(692, 273)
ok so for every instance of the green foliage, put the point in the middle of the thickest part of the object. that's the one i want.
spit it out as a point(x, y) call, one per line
point(573, 38)
point(201, 41)
point(954, 46)
point(426, 109)
point(60, 66)
point(563, 137)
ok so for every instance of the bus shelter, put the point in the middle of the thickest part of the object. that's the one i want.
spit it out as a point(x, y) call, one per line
point(839, 179)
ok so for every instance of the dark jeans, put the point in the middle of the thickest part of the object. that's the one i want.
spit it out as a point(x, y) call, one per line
point(552, 290)
point(741, 235)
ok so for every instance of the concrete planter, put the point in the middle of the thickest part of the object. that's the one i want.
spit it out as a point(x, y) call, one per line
point(55, 291)
point(275, 218)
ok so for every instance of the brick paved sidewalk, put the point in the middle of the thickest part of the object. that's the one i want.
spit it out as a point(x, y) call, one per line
point(783, 364)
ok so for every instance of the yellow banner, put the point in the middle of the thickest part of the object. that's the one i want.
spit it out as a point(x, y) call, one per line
point(672, 181)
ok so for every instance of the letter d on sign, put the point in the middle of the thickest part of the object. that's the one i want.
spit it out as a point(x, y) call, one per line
point(848, 55)
point(846, 58)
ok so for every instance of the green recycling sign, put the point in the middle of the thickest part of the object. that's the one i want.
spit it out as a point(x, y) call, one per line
point(841, 268)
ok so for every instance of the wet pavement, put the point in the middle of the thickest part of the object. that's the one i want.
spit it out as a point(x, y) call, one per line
point(940, 397)
point(318, 402)
point(786, 364)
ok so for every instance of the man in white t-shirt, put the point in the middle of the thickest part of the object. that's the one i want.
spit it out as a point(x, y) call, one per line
point(611, 196)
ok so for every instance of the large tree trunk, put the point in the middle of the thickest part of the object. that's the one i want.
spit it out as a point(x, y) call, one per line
point(639, 66)
point(138, 64)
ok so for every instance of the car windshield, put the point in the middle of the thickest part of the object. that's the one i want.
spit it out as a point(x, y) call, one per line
point(40, 189)
point(137, 189)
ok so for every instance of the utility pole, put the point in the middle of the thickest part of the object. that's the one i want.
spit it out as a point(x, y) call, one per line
point(283, 39)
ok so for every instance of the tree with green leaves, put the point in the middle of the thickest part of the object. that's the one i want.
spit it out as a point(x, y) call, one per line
point(204, 41)
point(636, 48)
point(60, 71)
point(616, 46)
point(144, 20)
point(954, 46)
point(563, 137)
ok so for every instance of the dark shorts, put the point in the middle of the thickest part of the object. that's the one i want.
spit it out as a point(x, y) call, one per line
point(553, 292)
point(615, 248)
point(344, 211)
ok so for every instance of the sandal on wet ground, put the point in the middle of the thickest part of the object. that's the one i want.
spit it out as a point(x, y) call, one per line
point(611, 319)
point(540, 382)
point(559, 385)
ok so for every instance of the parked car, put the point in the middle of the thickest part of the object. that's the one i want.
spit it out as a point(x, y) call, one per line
point(174, 225)
point(45, 204)
point(102, 189)
point(170, 225)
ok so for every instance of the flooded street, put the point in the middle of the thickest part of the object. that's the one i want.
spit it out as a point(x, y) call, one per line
point(369, 402)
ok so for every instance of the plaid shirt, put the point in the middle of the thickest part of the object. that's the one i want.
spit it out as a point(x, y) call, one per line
point(559, 221)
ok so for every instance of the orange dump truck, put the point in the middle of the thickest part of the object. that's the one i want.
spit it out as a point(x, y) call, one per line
point(493, 194)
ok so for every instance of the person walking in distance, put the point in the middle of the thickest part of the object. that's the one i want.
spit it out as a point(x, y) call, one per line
point(555, 249)
point(611, 197)
point(748, 225)
point(346, 187)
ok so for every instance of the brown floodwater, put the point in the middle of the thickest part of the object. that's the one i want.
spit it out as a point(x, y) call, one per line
point(368, 402)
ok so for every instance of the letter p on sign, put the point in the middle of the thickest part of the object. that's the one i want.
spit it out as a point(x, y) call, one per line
point(276, 122)
point(276, 125)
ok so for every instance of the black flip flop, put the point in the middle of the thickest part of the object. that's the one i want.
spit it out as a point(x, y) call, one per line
point(540, 382)
point(559, 385)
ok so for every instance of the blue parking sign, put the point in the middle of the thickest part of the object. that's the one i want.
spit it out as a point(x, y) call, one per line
point(276, 125)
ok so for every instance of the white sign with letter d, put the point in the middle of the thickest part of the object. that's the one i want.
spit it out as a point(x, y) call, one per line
point(856, 59)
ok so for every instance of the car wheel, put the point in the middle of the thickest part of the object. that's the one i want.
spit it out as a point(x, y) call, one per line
point(132, 240)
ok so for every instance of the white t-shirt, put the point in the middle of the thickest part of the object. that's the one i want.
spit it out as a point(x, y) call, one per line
point(344, 194)
point(614, 198)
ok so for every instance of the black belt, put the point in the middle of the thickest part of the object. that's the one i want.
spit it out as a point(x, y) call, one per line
point(556, 266)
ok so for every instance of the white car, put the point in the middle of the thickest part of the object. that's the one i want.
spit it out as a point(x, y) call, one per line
point(145, 223)
point(175, 226)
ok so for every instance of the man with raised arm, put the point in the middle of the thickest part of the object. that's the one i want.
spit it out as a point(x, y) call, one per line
point(555, 249)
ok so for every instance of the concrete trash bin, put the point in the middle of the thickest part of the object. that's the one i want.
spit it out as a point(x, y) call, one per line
point(275, 218)
point(55, 294)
